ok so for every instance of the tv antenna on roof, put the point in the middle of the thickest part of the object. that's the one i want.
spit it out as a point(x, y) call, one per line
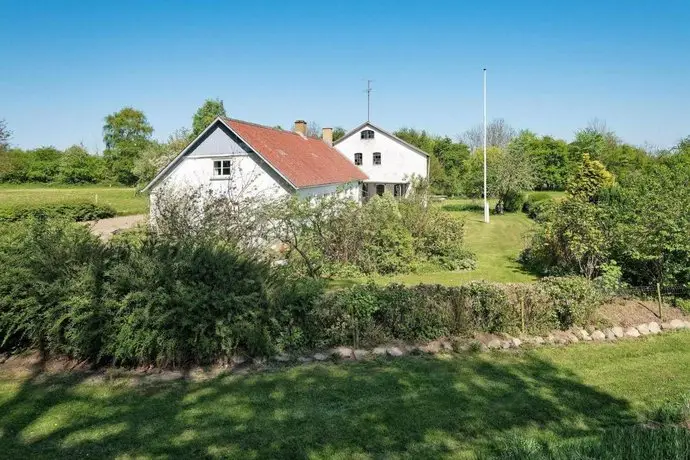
point(368, 91)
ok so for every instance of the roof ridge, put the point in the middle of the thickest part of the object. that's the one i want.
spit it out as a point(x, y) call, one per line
point(280, 130)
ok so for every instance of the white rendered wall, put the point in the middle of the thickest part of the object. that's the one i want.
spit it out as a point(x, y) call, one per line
point(195, 170)
point(398, 162)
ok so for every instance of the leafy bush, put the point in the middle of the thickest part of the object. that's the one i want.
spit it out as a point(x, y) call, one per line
point(572, 240)
point(48, 282)
point(513, 201)
point(684, 305)
point(293, 301)
point(533, 306)
point(413, 313)
point(372, 314)
point(387, 246)
point(609, 282)
point(574, 299)
point(537, 203)
point(438, 236)
point(183, 301)
point(78, 212)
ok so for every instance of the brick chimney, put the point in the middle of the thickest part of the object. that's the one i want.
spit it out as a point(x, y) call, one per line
point(301, 127)
point(327, 136)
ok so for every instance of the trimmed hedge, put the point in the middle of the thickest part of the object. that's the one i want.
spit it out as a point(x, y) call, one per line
point(370, 314)
point(77, 211)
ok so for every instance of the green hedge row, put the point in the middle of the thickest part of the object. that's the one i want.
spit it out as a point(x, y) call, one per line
point(77, 211)
point(141, 298)
point(370, 314)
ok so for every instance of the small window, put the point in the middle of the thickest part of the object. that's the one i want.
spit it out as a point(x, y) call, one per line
point(221, 168)
point(380, 189)
point(367, 134)
point(358, 159)
point(398, 190)
point(365, 191)
point(377, 158)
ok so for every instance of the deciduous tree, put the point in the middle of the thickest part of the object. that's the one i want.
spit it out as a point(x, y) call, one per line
point(209, 111)
point(5, 135)
point(589, 178)
point(126, 134)
point(498, 134)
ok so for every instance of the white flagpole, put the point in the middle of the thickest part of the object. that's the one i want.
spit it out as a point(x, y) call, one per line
point(486, 198)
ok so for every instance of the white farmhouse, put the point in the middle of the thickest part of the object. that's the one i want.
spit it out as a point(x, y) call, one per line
point(389, 162)
point(246, 158)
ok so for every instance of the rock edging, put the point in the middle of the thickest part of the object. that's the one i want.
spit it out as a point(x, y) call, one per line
point(493, 342)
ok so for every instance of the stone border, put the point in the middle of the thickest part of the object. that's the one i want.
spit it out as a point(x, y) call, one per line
point(488, 342)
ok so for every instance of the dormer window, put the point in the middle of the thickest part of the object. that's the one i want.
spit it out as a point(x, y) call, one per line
point(377, 158)
point(367, 134)
point(358, 159)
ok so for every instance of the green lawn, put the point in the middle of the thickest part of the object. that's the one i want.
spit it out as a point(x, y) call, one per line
point(417, 407)
point(123, 199)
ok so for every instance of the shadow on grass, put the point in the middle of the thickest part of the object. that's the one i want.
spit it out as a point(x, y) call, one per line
point(412, 407)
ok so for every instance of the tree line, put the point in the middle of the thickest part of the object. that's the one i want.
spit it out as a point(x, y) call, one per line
point(518, 160)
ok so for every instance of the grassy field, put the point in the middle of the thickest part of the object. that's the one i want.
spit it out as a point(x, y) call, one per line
point(123, 199)
point(418, 407)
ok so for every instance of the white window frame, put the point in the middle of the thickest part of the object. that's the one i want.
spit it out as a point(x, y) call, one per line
point(359, 159)
point(373, 160)
point(222, 169)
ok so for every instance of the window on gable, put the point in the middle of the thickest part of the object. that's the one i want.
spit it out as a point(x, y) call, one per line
point(358, 159)
point(377, 158)
point(367, 134)
point(221, 168)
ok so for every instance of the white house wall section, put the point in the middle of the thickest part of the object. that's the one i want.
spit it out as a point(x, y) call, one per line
point(398, 162)
point(240, 174)
point(350, 190)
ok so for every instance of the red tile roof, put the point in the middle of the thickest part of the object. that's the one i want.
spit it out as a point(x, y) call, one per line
point(305, 162)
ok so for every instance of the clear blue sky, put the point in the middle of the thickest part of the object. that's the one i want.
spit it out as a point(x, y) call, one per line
point(553, 66)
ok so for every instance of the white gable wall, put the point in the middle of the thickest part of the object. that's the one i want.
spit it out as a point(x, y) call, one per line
point(195, 170)
point(398, 162)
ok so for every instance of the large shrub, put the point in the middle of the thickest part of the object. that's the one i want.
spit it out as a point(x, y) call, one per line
point(513, 201)
point(571, 240)
point(438, 236)
point(387, 245)
point(185, 301)
point(49, 283)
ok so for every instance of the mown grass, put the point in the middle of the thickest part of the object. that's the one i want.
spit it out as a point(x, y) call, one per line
point(124, 200)
point(461, 406)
